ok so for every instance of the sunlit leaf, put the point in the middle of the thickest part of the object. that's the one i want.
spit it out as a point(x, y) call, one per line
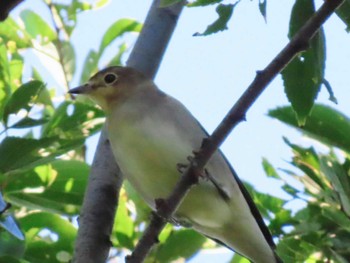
point(37, 27)
point(117, 29)
point(183, 243)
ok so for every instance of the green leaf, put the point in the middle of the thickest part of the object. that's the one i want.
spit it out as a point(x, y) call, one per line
point(304, 75)
point(339, 179)
point(29, 122)
point(324, 124)
point(69, 59)
point(5, 78)
point(203, 3)
point(116, 60)
point(225, 13)
point(90, 66)
point(166, 3)
point(183, 243)
point(57, 187)
point(36, 26)
point(117, 29)
point(239, 259)
point(23, 98)
point(269, 169)
point(100, 3)
point(262, 8)
point(11, 31)
point(343, 12)
point(32, 152)
point(43, 248)
point(337, 217)
point(83, 120)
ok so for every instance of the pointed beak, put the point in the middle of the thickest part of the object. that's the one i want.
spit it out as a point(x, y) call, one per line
point(80, 90)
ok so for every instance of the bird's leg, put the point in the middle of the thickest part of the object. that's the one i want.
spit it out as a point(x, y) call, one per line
point(221, 191)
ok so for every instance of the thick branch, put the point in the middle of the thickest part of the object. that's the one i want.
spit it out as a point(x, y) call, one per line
point(105, 179)
point(6, 6)
point(234, 116)
point(98, 210)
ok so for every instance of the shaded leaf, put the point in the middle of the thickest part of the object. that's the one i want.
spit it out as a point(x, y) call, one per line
point(43, 248)
point(58, 187)
point(262, 8)
point(183, 243)
point(304, 75)
point(74, 121)
point(68, 59)
point(225, 13)
point(343, 12)
point(22, 98)
point(29, 122)
point(33, 152)
point(324, 124)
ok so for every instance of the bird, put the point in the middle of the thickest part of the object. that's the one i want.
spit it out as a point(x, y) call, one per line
point(151, 133)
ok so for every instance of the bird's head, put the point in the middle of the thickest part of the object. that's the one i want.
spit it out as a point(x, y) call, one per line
point(112, 85)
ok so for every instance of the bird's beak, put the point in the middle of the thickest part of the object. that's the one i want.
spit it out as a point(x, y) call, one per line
point(81, 89)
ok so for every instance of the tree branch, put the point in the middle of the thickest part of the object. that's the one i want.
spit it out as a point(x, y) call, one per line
point(6, 7)
point(105, 179)
point(234, 116)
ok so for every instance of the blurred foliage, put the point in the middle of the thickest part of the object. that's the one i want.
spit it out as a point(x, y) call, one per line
point(43, 136)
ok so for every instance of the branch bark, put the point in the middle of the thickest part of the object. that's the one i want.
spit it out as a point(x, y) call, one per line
point(105, 179)
point(6, 7)
point(234, 116)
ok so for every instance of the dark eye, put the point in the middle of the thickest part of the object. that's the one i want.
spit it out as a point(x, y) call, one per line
point(110, 78)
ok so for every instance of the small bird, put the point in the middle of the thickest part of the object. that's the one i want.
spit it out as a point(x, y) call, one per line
point(152, 133)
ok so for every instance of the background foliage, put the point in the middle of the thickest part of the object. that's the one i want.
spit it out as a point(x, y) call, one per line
point(43, 174)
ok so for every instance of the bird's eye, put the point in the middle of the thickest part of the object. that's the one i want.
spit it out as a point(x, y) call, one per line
point(110, 78)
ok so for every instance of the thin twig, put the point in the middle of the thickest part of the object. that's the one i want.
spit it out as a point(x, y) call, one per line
point(235, 115)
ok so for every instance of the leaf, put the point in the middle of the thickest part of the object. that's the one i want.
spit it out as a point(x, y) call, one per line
point(269, 169)
point(183, 243)
point(29, 122)
point(11, 31)
point(262, 8)
point(5, 77)
point(225, 13)
point(238, 259)
point(117, 29)
point(69, 59)
point(343, 12)
point(57, 187)
point(324, 124)
point(42, 248)
point(100, 3)
point(90, 66)
point(22, 98)
point(116, 60)
point(32, 152)
point(339, 179)
point(36, 26)
point(74, 121)
point(304, 75)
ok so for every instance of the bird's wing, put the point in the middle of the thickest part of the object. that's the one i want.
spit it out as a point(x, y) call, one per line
point(179, 112)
